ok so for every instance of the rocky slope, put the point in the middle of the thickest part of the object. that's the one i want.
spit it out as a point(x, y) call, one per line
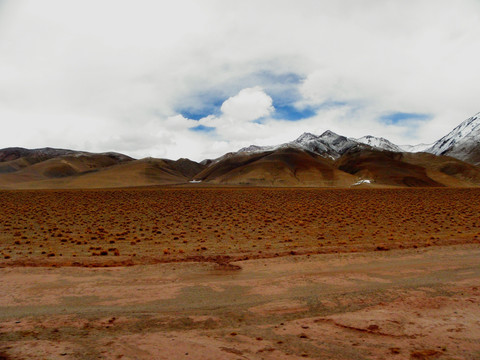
point(462, 143)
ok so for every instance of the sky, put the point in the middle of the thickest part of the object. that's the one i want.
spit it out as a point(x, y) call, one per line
point(197, 79)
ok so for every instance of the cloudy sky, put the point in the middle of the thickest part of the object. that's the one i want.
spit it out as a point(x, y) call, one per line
point(200, 78)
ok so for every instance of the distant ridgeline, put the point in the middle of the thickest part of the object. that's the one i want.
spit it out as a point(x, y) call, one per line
point(326, 160)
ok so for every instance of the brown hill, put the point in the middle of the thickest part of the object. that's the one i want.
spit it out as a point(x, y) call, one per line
point(384, 167)
point(14, 165)
point(186, 167)
point(97, 171)
point(16, 158)
point(445, 169)
point(283, 167)
point(142, 172)
point(52, 168)
point(32, 155)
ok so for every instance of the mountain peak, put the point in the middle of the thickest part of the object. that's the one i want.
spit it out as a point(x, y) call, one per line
point(460, 141)
point(328, 134)
point(463, 142)
point(252, 148)
point(379, 143)
point(306, 136)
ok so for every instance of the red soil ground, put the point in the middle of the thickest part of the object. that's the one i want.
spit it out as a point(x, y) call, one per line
point(144, 226)
point(214, 275)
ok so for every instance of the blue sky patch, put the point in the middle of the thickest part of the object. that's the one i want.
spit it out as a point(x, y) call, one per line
point(283, 78)
point(401, 117)
point(203, 128)
point(202, 104)
point(281, 87)
point(291, 113)
point(195, 114)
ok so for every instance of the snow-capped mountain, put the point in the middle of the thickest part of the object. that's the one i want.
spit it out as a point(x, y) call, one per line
point(328, 144)
point(379, 143)
point(415, 148)
point(463, 142)
point(256, 148)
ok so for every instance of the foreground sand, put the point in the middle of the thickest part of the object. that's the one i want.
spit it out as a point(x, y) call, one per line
point(401, 304)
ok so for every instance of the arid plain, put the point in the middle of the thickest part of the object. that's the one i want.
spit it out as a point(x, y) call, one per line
point(240, 273)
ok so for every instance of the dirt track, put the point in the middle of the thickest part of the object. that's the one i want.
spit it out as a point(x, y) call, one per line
point(402, 304)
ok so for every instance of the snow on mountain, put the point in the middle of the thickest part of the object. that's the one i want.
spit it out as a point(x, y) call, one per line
point(463, 143)
point(467, 132)
point(328, 143)
point(379, 143)
point(415, 148)
point(334, 145)
point(256, 148)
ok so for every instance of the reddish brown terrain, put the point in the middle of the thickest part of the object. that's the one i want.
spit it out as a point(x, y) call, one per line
point(284, 167)
point(150, 225)
point(240, 273)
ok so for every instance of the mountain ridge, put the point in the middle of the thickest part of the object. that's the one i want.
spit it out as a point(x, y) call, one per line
point(463, 143)
point(325, 160)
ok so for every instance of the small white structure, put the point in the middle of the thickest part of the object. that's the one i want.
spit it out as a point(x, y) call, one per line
point(364, 181)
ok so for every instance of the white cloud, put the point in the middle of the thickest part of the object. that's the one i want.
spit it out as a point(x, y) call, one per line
point(238, 115)
point(250, 104)
point(115, 75)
